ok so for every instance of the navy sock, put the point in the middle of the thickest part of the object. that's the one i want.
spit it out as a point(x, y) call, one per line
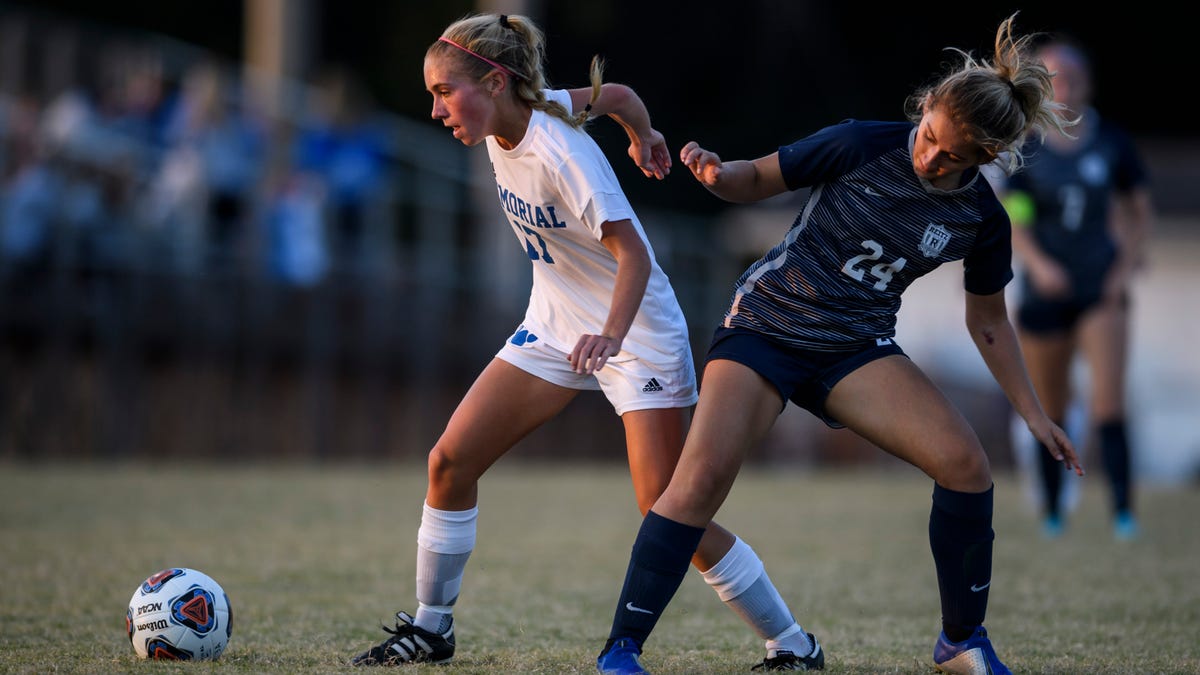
point(960, 536)
point(1114, 446)
point(661, 556)
point(1051, 473)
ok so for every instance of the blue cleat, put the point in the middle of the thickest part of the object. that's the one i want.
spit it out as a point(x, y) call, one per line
point(620, 657)
point(1052, 527)
point(973, 656)
point(1125, 527)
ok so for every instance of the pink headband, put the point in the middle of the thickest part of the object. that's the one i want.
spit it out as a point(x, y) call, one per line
point(481, 58)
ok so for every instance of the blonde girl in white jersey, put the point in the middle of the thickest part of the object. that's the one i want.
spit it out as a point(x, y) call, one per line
point(602, 315)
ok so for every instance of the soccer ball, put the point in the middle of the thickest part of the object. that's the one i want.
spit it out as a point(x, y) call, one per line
point(179, 614)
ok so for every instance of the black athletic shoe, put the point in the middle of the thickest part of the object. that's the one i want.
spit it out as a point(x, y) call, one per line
point(785, 660)
point(409, 643)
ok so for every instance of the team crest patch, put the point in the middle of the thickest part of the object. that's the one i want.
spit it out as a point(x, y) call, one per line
point(935, 239)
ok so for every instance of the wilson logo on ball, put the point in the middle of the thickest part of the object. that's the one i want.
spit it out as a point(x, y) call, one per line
point(179, 614)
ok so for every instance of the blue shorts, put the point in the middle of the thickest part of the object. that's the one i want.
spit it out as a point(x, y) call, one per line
point(803, 376)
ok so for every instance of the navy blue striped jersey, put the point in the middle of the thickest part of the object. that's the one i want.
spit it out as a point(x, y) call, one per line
point(1072, 193)
point(869, 228)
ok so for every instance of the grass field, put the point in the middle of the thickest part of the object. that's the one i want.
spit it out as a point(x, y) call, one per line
point(314, 558)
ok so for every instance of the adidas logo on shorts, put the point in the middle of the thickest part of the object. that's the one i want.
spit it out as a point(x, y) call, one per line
point(652, 385)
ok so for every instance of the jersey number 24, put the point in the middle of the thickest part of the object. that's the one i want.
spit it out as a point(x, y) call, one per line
point(855, 267)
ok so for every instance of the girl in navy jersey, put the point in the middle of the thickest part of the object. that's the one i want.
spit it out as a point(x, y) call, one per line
point(813, 321)
point(602, 315)
point(1081, 210)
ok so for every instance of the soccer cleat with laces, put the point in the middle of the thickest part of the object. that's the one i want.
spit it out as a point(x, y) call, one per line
point(620, 657)
point(973, 656)
point(786, 660)
point(409, 643)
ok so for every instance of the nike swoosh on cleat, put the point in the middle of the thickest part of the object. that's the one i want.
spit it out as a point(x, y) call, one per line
point(976, 589)
point(631, 607)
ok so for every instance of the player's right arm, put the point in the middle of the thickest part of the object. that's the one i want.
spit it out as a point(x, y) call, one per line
point(1048, 275)
point(593, 350)
point(739, 181)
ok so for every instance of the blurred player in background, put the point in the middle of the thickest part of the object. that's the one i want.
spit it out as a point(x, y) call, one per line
point(813, 322)
point(602, 315)
point(1080, 210)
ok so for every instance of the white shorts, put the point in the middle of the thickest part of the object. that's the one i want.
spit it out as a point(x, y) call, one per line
point(629, 383)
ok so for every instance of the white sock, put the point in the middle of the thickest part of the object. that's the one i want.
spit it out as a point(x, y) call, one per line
point(741, 581)
point(444, 543)
point(794, 640)
point(435, 619)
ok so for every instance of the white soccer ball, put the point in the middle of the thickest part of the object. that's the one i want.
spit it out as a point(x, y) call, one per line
point(179, 614)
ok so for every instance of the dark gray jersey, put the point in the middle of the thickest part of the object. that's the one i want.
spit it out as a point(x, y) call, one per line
point(1072, 194)
point(869, 228)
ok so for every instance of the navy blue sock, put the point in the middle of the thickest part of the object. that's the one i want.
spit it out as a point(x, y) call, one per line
point(1114, 446)
point(661, 556)
point(960, 536)
point(1051, 473)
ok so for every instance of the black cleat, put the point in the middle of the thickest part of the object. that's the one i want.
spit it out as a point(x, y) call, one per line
point(409, 643)
point(785, 660)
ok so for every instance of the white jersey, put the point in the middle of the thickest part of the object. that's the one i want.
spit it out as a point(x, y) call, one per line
point(557, 188)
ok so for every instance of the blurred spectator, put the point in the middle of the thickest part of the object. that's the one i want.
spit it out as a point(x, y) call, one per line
point(344, 148)
point(133, 103)
point(217, 152)
point(29, 194)
point(296, 246)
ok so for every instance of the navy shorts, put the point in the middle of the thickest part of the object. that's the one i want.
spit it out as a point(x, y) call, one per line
point(1043, 316)
point(803, 376)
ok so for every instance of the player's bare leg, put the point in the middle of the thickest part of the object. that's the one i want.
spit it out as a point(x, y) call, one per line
point(894, 405)
point(1104, 343)
point(728, 564)
point(725, 427)
point(503, 406)
point(1049, 358)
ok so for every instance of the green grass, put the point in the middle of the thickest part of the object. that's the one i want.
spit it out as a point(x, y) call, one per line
point(313, 559)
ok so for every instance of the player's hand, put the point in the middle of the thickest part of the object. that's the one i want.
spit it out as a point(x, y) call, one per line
point(705, 166)
point(1114, 289)
point(1058, 444)
point(1117, 283)
point(591, 352)
point(1050, 279)
point(651, 155)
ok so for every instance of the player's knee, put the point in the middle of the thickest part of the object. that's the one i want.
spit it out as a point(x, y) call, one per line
point(698, 497)
point(965, 469)
point(443, 469)
point(1106, 411)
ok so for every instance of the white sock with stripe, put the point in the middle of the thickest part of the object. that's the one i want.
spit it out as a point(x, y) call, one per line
point(444, 543)
point(741, 581)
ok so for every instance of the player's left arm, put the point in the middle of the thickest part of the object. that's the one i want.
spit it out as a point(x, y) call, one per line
point(621, 238)
point(994, 337)
point(1132, 219)
point(647, 146)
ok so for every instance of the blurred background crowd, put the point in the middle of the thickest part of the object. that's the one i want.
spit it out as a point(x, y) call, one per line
point(187, 263)
point(244, 239)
